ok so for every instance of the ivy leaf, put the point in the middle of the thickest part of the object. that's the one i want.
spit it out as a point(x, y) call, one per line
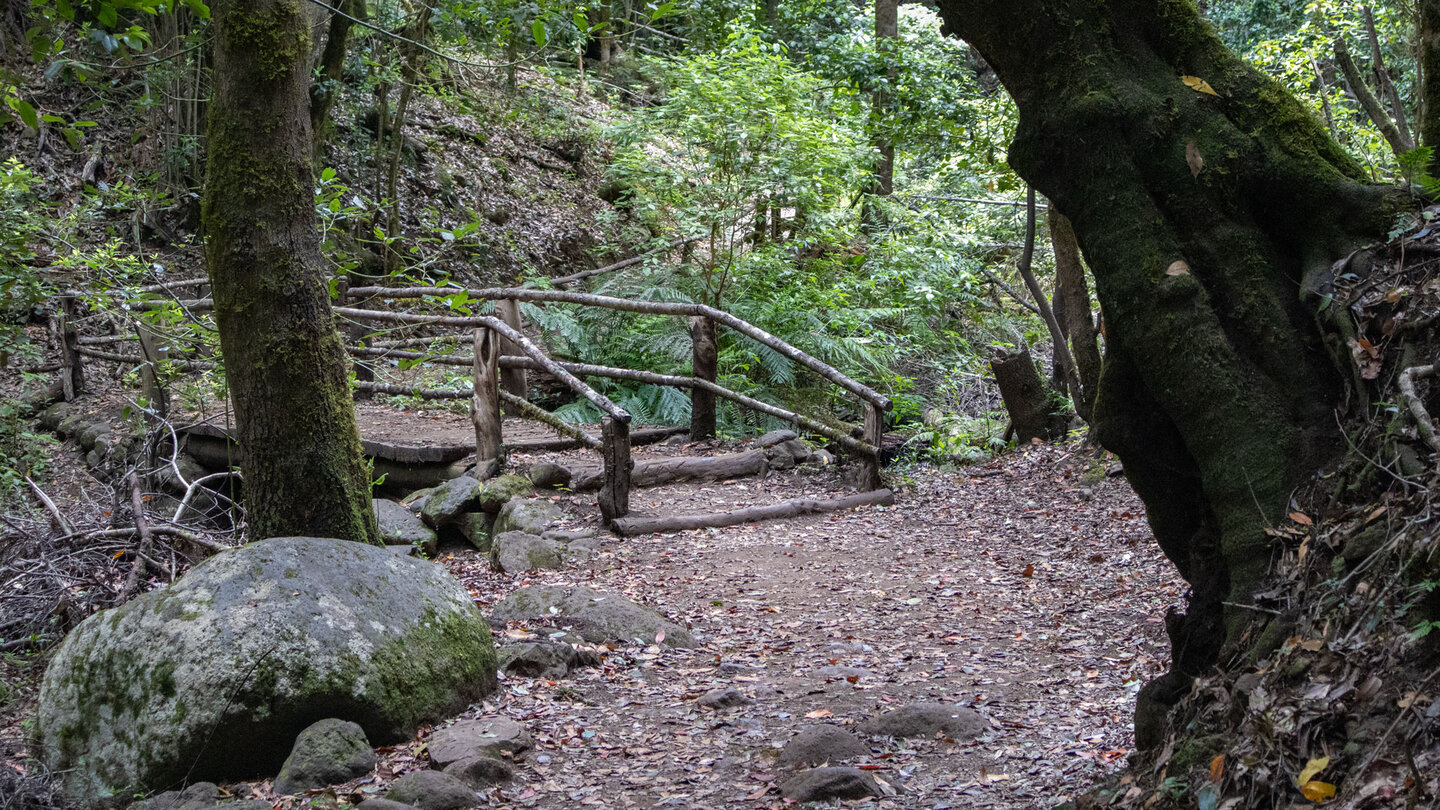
point(26, 111)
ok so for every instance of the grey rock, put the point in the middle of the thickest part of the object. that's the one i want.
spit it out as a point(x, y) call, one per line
point(480, 772)
point(432, 790)
point(775, 437)
point(193, 797)
point(87, 436)
point(499, 491)
point(548, 476)
point(818, 745)
point(483, 737)
point(451, 499)
point(328, 752)
point(570, 537)
point(779, 458)
point(927, 720)
point(516, 552)
point(531, 516)
point(598, 616)
point(544, 659)
point(824, 784)
point(799, 450)
point(404, 551)
point(215, 675)
point(415, 501)
point(52, 416)
point(723, 699)
point(589, 545)
point(400, 527)
point(382, 804)
point(476, 528)
point(835, 672)
point(823, 458)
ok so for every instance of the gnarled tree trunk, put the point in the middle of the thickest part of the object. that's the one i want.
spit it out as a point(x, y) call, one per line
point(304, 472)
point(1210, 214)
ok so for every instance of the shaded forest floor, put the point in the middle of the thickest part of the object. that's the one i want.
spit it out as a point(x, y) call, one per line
point(1030, 589)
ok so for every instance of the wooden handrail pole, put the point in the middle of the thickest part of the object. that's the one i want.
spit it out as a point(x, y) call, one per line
point(614, 496)
point(485, 400)
point(869, 472)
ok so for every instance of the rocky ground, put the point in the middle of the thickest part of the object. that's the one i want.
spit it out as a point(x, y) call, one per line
point(1028, 590)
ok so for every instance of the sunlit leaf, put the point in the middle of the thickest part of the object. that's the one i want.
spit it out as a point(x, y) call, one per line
point(1199, 85)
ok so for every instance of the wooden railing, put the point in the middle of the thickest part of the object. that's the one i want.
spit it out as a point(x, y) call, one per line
point(500, 346)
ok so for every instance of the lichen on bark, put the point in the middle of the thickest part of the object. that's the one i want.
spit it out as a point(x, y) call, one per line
point(1217, 392)
point(304, 469)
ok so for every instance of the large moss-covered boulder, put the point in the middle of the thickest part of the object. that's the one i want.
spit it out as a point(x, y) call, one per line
point(447, 502)
point(214, 676)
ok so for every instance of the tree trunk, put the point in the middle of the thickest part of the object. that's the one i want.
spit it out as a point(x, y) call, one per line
point(332, 67)
point(1429, 48)
point(1218, 391)
point(887, 39)
point(1073, 308)
point(1031, 402)
point(705, 359)
point(304, 472)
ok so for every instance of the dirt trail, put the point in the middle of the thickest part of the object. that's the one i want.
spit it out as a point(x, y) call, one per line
point(1024, 589)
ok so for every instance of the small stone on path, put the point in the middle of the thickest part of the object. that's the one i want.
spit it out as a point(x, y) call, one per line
point(494, 737)
point(927, 720)
point(481, 772)
point(432, 790)
point(544, 659)
point(823, 784)
point(328, 752)
point(723, 699)
point(818, 745)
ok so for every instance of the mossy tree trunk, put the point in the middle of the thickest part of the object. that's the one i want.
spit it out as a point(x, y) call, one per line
point(304, 472)
point(1210, 222)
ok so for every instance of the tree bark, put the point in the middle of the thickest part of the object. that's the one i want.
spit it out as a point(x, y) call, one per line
point(887, 39)
point(512, 380)
point(1073, 307)
point(332, 67)
point(1373, 108)
point(1218, 391)
point(1429, 49)
point(704, 366)
point(1031, 402)
point(304, 472)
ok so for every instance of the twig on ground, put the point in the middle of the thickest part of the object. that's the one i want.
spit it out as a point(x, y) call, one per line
point(60, 524)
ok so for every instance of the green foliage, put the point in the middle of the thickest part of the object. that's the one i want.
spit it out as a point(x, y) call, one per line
point(22, 226)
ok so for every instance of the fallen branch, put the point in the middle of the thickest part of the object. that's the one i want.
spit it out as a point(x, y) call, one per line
point(56, 519)
point(620, 265)
point(636, 525)
point(142, 528)
point(1423, 423)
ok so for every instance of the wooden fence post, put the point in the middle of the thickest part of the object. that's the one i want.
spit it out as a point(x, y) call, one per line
point(704, 366)
point(489, 447)
point(869, 473)
point(151, 381)
point(512, 379)
point(614, 496)
point(72, 373)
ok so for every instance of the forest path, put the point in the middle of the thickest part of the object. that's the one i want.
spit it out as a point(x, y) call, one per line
point(1025, 589)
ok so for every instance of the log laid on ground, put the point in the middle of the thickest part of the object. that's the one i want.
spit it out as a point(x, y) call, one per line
point(659, 472)
point(639, 437)
point(640, 524)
